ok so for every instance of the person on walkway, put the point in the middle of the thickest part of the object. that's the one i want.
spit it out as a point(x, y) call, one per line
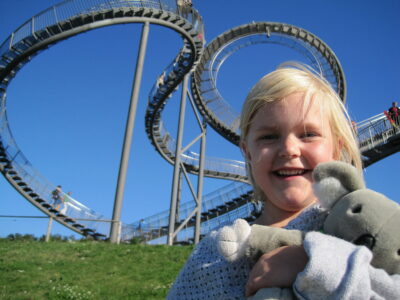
point(394, 112)
point(184, 7)
point(66, 200)
point(56, 196)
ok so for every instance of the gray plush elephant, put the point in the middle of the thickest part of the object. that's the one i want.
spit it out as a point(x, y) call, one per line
point(355, 214)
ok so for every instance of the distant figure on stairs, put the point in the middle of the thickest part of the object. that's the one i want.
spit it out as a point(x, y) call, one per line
point(394, 111)
point(56, 196)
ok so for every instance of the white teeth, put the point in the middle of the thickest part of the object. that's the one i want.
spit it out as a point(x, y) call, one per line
point(290, 172)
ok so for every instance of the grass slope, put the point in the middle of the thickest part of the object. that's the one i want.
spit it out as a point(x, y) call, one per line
point(87, 270)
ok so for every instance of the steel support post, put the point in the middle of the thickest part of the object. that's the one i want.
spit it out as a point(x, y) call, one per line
point(177, 165)
point(178, 198)
point(48, 233)
point(119, 194)
point(200, 178)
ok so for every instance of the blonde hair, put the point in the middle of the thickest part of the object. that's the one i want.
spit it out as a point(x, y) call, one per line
point(292, 78)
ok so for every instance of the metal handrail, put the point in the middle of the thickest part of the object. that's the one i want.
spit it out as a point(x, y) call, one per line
point(374, 131)
point(215, 164)
point(211, 200)
point(70, 8)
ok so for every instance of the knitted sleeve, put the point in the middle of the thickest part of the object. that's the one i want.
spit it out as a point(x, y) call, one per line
point(207, 275)
point(340, 270)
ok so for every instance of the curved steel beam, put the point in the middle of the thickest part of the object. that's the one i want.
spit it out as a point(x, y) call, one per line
point(215, 108)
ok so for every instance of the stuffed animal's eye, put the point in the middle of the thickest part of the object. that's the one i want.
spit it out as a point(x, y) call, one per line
point(356, 209)
point(398, 252)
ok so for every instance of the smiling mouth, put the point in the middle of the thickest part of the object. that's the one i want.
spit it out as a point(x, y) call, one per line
point(288, 173)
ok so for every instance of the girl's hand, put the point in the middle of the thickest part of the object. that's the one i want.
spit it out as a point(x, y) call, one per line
point(277, 268)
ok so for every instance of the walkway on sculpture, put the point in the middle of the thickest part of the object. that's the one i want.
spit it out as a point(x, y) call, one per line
point(378, 138)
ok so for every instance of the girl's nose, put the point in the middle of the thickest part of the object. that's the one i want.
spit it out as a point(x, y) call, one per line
point(290, 148)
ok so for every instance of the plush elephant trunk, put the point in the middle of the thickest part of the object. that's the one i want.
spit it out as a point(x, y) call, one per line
point(366, 240)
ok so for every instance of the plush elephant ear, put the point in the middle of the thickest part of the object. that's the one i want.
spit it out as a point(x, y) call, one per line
point(333, 180)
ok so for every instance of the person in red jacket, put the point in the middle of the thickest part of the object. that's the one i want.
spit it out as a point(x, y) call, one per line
point(394, 111)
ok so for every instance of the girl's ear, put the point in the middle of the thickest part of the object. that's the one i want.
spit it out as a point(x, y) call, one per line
point(245, 151)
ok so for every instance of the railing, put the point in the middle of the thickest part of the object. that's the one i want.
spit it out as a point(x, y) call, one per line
point(213, 164)
point(374, 131)
point(211, 200)
point(186, 235)
point(43, 187)
point(70, 8)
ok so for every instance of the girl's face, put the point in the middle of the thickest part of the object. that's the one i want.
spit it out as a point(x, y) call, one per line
point(283, 147)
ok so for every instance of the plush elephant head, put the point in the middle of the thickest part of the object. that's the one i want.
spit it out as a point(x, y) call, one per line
point(355, 214)
point(359, 215)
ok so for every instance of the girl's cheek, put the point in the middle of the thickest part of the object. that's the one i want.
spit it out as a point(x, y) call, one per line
point(262, 155)
point(321, 152)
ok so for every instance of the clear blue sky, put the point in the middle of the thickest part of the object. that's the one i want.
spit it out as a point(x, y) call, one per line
point(67, 107)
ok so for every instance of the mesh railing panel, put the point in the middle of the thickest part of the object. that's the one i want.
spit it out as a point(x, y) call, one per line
point(215, 164)
point(68, 9)
point(211, 200)
point(374, 131)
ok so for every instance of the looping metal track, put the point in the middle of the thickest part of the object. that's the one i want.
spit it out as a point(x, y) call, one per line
point(60, 22)
point(217, 110)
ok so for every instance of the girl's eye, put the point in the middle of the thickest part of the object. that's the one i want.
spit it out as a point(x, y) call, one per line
point(269, 137)
point(310, 134)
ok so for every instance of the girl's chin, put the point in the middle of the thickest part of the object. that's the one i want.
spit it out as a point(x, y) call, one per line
point(295, 205)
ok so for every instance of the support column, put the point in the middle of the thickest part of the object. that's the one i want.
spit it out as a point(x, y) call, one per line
point(178, 149)
point(178, 199)
point(119, 194)
point(48, 233)
point(200, 185)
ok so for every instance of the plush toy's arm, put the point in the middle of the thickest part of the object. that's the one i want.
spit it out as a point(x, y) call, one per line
point(240, 239)
point(232, 241)
point(264, 239)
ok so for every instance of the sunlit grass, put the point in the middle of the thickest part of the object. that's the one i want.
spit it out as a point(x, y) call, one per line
point(87, 270)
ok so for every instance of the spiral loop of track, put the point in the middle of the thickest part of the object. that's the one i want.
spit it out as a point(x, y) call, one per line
point(54, 25)
point(217, 110)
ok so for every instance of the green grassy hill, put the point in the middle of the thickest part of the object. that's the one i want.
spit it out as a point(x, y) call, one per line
point(87, 270)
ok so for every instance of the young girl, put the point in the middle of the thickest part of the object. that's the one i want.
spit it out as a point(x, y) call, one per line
point(291, 121)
